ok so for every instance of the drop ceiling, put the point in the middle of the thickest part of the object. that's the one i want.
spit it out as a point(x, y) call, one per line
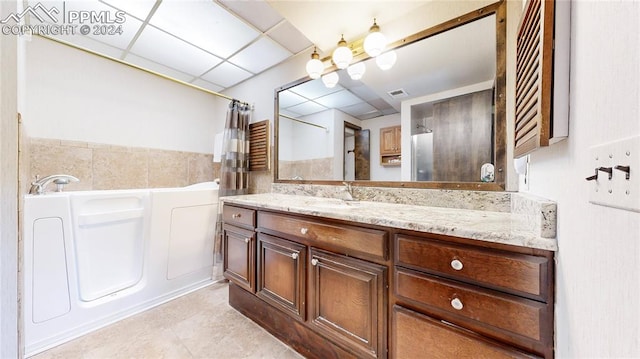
point(218, 44)
point(211, 44)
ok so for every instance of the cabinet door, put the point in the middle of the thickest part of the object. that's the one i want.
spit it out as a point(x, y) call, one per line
point(239, 257)
point(281, 274)
point(347, 299)
point(416, 336)
point(389, 143)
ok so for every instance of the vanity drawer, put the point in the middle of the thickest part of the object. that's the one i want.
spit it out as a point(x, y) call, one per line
point(501, 311)
point(522, 273)
point(341, 238)
point(239, 216)
point(418, 336)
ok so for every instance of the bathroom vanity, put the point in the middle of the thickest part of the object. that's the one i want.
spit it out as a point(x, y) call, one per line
point(339, 279)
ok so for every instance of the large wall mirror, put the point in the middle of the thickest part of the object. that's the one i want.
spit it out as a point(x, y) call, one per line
point(436, 119)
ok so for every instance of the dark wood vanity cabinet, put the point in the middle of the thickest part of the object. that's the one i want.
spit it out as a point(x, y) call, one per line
point(347, 299)
point(282, 274)
point(331, 278)
point(496, 302)
point(335, 289)
point(239, 243)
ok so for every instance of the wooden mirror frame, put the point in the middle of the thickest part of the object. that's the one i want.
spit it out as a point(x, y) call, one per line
point(500, 135)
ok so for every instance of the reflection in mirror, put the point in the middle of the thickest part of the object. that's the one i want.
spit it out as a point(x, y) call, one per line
point(440, 96)
point(451, 139)
point(349, 154)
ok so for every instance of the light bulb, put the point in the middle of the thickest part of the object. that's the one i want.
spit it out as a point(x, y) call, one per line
point(386, 60)
point(375, 42)
point(315, 67)
point(331, 79)
point(356, 70)
point(342, 55)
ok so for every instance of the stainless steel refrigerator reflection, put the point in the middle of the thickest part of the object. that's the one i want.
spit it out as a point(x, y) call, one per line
point(422, 157)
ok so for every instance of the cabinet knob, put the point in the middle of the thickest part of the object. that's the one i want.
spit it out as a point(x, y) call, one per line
point(236, 215)
point(304, 230)
point(314, 262)
point(456, 264)
point(246, 240)
point(294, 255)
point(457, 304)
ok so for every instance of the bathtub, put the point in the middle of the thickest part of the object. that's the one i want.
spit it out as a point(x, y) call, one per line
point(92, 258)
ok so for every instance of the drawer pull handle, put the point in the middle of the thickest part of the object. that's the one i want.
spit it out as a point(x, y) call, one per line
point(456, 264)
point(236, 215)
point(246, 240)
point(314, 262)
point(457, 304)
point(304, 230)
point(294, 255)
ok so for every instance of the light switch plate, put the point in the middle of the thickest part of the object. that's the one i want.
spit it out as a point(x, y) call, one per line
point(618, 192)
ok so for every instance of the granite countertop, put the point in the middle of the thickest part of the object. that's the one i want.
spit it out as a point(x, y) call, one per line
point(490, 226)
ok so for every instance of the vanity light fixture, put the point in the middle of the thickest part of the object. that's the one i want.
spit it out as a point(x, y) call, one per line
point(315, 66)
point(375, 42)
point(331, 79)
point(342, 55)
point(386, 60)
point(356, 70)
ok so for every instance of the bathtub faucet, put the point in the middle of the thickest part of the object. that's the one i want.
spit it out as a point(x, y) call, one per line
point(39, 185)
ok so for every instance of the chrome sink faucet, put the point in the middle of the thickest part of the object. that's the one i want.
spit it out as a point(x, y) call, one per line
point(39, 185)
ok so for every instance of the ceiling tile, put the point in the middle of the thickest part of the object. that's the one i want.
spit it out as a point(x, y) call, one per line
point(381, 104)
point(172, 52)
point(258, 13)
point(205, 24)
point(153, 66)
point(260, 55)
point(288, 99)
point(370, 115)
point(364, 92)
point(339, 99)
point(139, 8)
point(106, 33)
point(285, 112)
point(289, 37)
point(358, 109)
point(226, 75)
point(307, 108)
point(314, 89)
point(207, 85)
point(91, 44)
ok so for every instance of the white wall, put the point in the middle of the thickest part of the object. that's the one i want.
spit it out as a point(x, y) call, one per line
point(73, 95)
point(9, 347)
point(379, 172)
point(598, 262)
point(310, 142)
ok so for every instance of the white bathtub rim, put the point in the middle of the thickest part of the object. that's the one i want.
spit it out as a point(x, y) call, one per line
point(210, 185)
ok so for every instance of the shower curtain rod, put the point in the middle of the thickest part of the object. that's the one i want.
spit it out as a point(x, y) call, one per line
point(306, 123)
point(142, 68)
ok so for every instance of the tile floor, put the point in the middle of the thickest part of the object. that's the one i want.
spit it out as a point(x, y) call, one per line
point(198, 325)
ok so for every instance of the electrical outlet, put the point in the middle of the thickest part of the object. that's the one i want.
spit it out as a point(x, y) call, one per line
point(615, 180)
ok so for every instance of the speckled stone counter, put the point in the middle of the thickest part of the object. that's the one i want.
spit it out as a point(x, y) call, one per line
point(513, 228)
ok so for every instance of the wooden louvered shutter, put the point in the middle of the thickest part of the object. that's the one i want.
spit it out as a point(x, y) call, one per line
point(534, 77)
point(259, 150)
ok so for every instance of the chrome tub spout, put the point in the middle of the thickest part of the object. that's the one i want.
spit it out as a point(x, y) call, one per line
point(39, 185)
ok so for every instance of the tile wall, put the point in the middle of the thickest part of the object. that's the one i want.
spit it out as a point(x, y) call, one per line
point(318, 169)
point(103, 167)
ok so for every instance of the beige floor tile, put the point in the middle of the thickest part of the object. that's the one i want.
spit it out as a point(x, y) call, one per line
point(200, 325)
